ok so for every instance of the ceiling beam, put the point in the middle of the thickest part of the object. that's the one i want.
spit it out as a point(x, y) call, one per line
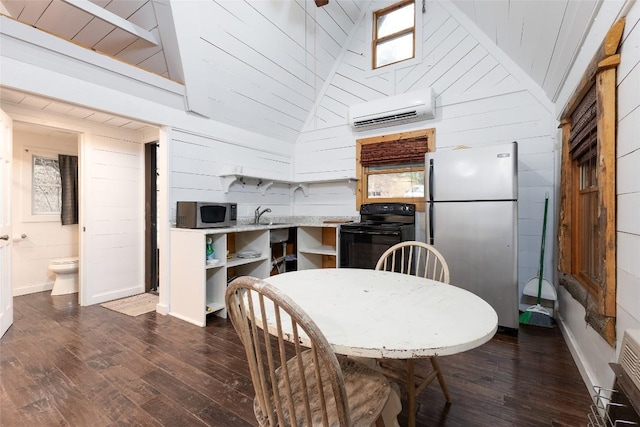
point(113, 19)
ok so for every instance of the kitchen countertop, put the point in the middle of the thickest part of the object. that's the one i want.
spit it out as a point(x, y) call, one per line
point(269, 223)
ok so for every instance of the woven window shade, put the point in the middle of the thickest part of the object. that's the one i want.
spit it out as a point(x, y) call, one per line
point(403, 151)
point(584, 126)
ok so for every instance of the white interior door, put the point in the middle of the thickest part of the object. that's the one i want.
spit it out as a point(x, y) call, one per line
point(111, 218)
point(6, 293)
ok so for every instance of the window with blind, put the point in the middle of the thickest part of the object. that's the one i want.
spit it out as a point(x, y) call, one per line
point(583, 148)
point(587, 223)
point(390, 168)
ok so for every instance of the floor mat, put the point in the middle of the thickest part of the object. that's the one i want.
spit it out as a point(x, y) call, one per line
point(133, 306)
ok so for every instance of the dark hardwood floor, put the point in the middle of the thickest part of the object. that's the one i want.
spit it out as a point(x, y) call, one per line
point(64, 365)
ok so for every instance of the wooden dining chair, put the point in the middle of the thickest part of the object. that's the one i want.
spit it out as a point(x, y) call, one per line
point(417, 259)
point(297, 378)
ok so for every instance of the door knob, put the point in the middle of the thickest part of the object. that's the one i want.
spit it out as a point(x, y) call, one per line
point(5, 237)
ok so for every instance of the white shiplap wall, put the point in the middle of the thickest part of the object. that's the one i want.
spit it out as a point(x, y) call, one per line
point(198, 161)
point(628, 176)
point(480, 100)
point(265, 61)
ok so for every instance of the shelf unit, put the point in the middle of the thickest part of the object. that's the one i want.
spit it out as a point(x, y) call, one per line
point(264, 184)
point(198, 289)
point(317, 247)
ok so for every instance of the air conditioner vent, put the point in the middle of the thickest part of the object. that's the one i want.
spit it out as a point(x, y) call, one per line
point(384, 119)
point(629, 357)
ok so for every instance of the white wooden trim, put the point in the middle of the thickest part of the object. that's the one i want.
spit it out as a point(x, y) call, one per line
point(6, 165)
point(113, 19)
point(577, 355)
point(337, 63)
point(30, 78)
point(169, 37)
point(44, 41)
point(26, 75)
point(193, 67)
point(163, 165)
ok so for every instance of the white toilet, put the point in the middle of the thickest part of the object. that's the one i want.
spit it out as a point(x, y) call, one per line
point(66, 270)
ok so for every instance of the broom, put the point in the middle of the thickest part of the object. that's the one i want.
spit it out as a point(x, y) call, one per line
point(537, 315)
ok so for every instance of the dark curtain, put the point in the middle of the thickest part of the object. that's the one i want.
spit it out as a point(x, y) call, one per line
point(69, 181)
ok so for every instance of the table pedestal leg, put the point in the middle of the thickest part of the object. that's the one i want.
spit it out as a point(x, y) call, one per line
point(394, 405)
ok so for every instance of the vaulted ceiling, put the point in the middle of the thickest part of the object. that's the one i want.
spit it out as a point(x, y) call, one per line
point(260, 65)
point(542, 37)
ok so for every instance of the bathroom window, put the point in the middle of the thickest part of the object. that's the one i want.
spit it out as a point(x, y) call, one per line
point(46, 188)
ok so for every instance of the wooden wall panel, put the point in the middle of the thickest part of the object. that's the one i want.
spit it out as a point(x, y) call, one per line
point(294, 94)
point(197, 162)
point(464, 62)
point(331, 199)
point(628, 176)
point(471, 75)
point(440, 74)
point(267, 61)
point(541, 37)
point(46, 57)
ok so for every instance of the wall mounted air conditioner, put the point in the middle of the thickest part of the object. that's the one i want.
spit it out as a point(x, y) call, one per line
point(393, 110)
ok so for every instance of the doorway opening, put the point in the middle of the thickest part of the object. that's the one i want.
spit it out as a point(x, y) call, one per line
point(152, 254)
point(44, 239)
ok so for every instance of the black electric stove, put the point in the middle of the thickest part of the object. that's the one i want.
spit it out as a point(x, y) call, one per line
point(381, 226)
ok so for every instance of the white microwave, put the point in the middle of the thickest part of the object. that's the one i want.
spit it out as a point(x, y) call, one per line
point(206, 215)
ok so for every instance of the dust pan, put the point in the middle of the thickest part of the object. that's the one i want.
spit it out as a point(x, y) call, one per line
point(547, 291)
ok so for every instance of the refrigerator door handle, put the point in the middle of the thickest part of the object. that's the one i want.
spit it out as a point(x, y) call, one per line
point(430, 187)
point(431, 239)
point(430, 201)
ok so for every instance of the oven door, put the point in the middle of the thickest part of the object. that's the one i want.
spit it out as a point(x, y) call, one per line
point(362, 248)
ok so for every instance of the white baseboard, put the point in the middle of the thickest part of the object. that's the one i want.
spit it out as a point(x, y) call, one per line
point(32, 289)
point(162, 309)
point(574, 349)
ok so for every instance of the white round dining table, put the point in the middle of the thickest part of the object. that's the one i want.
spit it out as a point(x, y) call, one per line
point(380, 314)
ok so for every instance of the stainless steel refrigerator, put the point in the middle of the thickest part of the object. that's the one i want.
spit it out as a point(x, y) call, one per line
point(472, 219)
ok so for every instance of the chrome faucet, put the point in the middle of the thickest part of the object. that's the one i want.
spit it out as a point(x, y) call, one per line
point(258, 214)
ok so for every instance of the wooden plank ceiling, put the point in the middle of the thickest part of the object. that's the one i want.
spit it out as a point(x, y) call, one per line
point(34, 102)
point(266, 62)
point(542, 37)
point(126, 30)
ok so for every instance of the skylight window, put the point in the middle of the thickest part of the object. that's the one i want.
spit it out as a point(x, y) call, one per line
point(394, 34)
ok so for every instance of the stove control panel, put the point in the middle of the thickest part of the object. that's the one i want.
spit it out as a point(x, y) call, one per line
point(408, 209)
